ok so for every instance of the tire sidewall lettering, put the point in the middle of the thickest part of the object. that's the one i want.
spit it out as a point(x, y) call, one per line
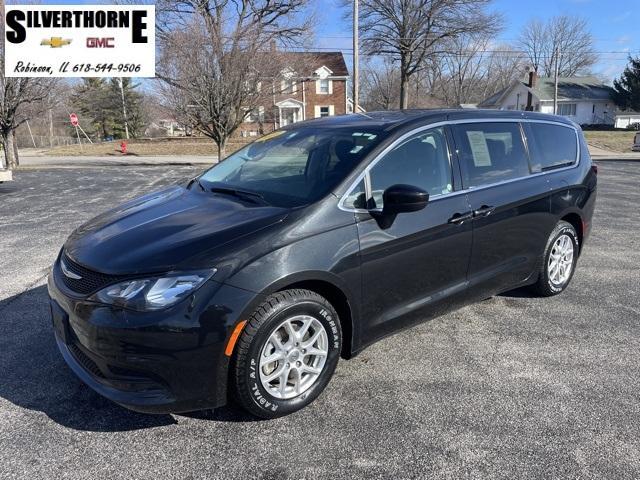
point(259, 395)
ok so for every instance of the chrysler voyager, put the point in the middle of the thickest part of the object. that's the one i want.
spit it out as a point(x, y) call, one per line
point(250, 281)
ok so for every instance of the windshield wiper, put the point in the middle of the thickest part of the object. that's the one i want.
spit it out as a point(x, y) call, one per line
point(196, 180)
point(254, 197)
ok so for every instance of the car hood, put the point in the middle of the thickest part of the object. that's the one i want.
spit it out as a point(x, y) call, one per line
point(170, 229)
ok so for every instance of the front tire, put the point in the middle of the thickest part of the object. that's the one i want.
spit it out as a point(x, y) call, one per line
point(287, 353)
point(558, 263)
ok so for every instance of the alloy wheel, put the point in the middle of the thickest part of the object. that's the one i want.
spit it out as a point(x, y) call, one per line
point(293, 357)
point(561, 260)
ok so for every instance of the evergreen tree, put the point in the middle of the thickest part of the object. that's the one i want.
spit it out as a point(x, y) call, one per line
point(90, 102)
point(99, 103)
point(626, 92)
point(133, 105)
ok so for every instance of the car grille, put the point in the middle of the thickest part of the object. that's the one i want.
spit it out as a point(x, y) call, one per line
point(85, 361)
point(89, 281)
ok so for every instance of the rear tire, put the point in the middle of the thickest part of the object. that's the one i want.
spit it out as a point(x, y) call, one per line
point(287, 353)
point(558, 263)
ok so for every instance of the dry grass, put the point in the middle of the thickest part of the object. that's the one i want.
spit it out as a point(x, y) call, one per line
point(614, 140)
point(144, 147)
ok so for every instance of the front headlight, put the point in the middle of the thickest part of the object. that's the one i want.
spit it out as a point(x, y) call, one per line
point(144, 294)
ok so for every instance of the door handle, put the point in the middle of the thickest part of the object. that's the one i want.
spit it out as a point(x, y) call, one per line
point(460, 218)
point(484, 211)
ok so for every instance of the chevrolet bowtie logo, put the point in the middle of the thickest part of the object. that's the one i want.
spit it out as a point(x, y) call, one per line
point(55, 42)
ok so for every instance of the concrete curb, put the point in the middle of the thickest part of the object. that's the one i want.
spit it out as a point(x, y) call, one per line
point(607, 158)
point(40, 166)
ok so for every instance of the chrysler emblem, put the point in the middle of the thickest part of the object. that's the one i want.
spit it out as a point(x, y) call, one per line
point(68, 273)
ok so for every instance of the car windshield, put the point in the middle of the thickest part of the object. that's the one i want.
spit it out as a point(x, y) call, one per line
point(291, 168)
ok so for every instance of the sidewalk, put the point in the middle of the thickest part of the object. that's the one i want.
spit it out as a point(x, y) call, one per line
point(31, 160)
point(28, 161)
point(601, 154)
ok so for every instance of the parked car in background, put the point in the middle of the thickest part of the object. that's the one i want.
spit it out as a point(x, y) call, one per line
point(251, 280)
point(636, 143)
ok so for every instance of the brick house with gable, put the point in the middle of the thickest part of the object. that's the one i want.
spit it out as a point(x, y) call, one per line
point(318, 91)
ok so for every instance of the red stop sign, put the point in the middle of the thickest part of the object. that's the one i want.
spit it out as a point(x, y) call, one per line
point(74, 119)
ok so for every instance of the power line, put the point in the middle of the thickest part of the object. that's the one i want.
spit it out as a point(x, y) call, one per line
point(506, 40)
point(470, 52)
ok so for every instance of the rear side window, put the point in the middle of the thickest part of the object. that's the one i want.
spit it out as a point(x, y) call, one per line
point(551, 146)
point(490, 152)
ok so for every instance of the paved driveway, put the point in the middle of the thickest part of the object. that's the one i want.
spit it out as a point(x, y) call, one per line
point(512, 387)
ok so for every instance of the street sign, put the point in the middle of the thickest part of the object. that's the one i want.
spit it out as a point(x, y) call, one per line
point(74, 119)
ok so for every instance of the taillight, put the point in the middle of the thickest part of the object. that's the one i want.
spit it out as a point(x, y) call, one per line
point(594, 168)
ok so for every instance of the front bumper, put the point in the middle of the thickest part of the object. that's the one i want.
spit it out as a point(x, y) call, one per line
point(168, 361)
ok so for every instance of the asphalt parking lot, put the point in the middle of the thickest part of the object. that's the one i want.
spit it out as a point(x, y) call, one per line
point(513, 387)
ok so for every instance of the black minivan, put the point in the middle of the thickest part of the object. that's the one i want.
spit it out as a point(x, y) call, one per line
point(249, 281)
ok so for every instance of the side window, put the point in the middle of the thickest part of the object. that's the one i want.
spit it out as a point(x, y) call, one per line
point(490, 152)
point(421, 161)
point(357, 198)
point(551, 146)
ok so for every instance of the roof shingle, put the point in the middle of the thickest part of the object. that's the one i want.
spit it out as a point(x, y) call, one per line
point(334, 61)
point(572, 88)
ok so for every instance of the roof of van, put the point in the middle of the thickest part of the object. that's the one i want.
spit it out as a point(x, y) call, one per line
point(394, 119)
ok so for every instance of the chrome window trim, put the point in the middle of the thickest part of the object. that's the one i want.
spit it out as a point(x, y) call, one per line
point(364, 174)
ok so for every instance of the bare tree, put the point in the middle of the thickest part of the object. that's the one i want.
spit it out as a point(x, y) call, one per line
point(566, 36)
point(506, 65)
point(20, 99)
point(380, 85)
point(474, 69)
point(216, 59)
point(412, 31)
point(466, 69)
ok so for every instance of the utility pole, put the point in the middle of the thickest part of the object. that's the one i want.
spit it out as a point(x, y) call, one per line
point(124, 109)
point(356, 72)
point(555, 82)
point(50, 128)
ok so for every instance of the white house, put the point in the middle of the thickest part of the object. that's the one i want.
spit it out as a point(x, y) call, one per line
point(624, 119)
point(585, 100)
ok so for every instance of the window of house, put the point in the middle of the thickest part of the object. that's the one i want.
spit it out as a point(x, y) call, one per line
point(325, 111)
point(323, 85)
point(421, 161)
point(551, 146)
point(567, 109)
point(289, 85)
point(254, 115)
point(490, 152)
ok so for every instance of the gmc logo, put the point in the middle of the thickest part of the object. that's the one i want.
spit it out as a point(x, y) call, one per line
point(93, 42)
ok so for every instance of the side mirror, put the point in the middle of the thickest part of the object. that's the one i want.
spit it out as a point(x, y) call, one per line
point(403, 198)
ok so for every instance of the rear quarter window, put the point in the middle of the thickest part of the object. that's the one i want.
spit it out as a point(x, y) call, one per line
point(551, 146)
